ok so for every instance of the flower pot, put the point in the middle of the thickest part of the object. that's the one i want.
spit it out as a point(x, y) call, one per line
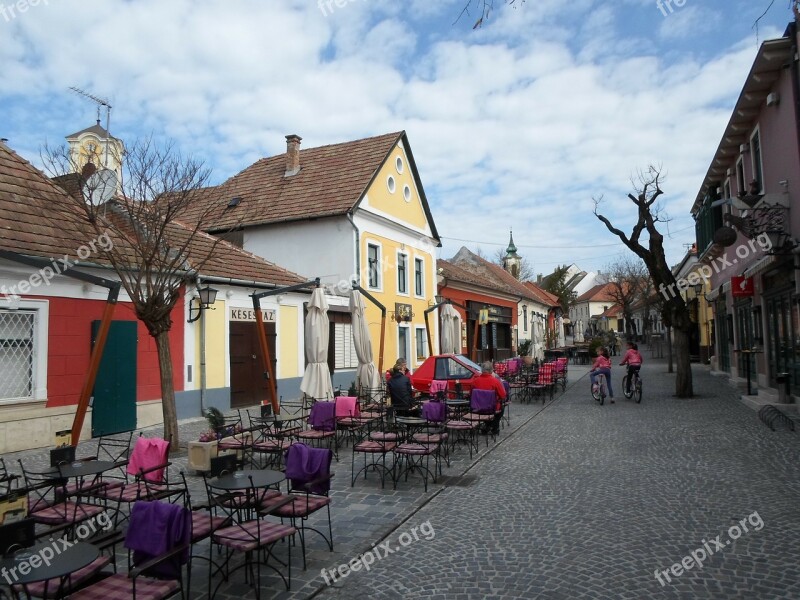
point(200, 455)
point(528, 360)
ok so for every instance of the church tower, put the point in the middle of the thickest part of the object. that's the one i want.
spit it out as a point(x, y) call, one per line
point(512, 262)
point(95, 145)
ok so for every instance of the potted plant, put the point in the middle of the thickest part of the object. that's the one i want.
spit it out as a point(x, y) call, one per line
point(206, 447)
point(524, 350)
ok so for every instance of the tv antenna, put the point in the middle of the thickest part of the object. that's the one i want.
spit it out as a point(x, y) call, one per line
point(100, 103)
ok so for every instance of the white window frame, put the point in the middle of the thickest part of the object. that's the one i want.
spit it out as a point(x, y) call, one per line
point(40, 347)
point(404, 352)
point(422, 272)
point(379, 269)
point(757, 133)
point(397, 272)
point(417, 330)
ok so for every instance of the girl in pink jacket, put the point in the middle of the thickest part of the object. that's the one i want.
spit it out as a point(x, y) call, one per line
point(602, 364)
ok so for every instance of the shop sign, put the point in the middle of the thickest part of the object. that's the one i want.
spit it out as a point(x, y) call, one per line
point(741, 287)
point(249, 315)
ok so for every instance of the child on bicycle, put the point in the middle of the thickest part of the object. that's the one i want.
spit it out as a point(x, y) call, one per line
point(602, 364)
point(634, 361)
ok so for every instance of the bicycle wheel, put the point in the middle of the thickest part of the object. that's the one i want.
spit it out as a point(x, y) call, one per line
point(602, 389)
point(625, 389)
point(638, 390)
point(595, 393)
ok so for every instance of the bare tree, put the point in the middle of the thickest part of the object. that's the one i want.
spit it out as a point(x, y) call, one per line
point(525, 268)
point(482, 8)
point(152, 253)
point(675, 312)
point(628, 280)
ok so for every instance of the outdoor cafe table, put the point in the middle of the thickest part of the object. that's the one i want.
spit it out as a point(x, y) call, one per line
point(63, 562)
point(240, 480)
point(83, 468)
point(459, 407)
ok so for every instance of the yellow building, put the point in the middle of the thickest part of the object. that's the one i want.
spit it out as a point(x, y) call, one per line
point(354, 211)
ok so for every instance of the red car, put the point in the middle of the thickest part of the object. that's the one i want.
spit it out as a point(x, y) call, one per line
point(445, 367)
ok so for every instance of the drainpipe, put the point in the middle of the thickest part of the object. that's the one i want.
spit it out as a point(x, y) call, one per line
point(202, 356)
point(357, 270)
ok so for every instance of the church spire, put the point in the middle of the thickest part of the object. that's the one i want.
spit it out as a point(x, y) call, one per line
point(512, 262)
point(512, 249)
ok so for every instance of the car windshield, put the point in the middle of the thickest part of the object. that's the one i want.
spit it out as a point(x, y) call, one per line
point(468, 362)
point(448, 367)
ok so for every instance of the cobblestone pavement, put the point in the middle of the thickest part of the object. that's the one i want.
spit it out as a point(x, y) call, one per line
point(585, 501)
point(362, 515)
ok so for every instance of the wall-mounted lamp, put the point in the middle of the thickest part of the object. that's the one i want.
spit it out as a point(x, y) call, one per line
point(208, 296)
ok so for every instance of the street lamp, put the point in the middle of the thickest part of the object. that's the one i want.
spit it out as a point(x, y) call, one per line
point(208, 296)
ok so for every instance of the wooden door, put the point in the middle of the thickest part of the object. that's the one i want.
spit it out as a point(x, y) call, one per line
point(249, 381)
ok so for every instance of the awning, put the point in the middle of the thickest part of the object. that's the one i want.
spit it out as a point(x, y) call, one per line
point(762, 265)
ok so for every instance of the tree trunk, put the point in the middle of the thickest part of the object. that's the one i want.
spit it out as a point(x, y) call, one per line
point(683, 377)
point(168, 390)
point(669, 349)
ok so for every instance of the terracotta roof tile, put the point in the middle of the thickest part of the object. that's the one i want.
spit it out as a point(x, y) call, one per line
point(331, 181)
point(599, 293)
point(38, 218)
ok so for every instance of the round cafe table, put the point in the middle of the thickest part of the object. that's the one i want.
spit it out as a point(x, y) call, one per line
point(63, 562)
point(240, 480)
point(83, 468)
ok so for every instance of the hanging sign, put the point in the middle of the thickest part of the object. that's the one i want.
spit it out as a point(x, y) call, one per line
point(741, 287)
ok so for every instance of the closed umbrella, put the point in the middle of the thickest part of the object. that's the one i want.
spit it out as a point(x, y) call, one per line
point(367, 376)
point(317, 378)
point(451, 330)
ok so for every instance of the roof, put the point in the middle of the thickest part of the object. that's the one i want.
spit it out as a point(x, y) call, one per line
point(332, 181)
point(38, 218)
point(96, 129)
point(468, 267)
point(542, 295)
point(772, 57)
point(612, 311)
point(598, 293)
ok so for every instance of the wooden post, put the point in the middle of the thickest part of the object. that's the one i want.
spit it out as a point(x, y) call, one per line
point(267, 360)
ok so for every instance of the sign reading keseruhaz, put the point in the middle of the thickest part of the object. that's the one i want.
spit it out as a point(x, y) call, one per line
point(248, 314)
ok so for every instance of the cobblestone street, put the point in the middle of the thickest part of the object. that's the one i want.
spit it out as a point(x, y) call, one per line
point(575, 500)
point(588, 502)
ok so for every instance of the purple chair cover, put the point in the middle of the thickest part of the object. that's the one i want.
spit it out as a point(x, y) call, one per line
point(323, 416)
point(155, 528)
point(483, 401)
point(305, 464)
point(436, 412)
point(508, 388)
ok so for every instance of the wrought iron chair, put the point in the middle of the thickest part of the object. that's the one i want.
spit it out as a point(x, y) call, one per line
point(247, 531)
point(321, 427)
point(483, 406)
point(308, 476)
point(156, 556)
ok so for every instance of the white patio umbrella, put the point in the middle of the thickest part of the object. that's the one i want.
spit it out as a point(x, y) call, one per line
point(367, 375)
point(317, 378)
point(451, 330)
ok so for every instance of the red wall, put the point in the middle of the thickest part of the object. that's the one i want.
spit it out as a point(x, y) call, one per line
point(69, 345)
point(462, 296)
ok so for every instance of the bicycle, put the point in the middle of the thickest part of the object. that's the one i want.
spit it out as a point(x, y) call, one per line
point(600, 390)
point(635, 389)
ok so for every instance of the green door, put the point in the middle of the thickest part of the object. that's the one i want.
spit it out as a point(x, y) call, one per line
point(114, 397)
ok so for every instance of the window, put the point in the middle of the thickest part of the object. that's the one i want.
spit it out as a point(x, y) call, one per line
point(23, 352)
point(403, 343)
point(402, 273)
point(448, 368)
point(419, 277)
point(755, 154)
point(344, 349)
point(374, 261)
point(525, 318)
point(741, 190)
point(422, 344)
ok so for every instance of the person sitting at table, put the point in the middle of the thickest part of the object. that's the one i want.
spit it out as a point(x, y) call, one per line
point(402, 365)
point(487, 380)
point(400, 391)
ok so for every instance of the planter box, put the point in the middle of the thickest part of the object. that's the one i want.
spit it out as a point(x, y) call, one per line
point(201, 453)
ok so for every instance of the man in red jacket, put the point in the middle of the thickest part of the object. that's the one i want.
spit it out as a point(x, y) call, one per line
point(488, 381)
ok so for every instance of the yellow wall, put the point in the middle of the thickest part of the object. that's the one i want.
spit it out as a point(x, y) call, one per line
point(216, 360)
point(289, 340)
point(389, 296)
point(395, 204)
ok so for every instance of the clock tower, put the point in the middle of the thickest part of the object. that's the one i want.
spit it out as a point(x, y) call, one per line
point(95, 145)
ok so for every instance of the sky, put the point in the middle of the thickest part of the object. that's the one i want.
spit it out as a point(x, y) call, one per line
point(519, 124)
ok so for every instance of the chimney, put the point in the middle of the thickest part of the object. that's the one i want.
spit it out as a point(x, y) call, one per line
point(292, 155)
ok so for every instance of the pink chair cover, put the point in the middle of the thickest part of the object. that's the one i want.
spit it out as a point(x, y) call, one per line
point(147, 453)
point(437, 385)
point(347, 406)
